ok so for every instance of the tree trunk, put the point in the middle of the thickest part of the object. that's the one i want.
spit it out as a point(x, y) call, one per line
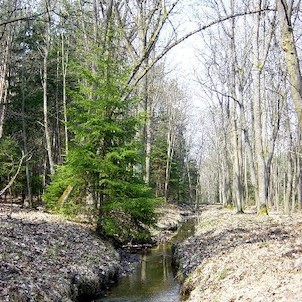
point(145, 105)
point(290, 54)
point(288, 185)
point(170, 151)
point(11, 181)
point(237, 185)
point(300, 183)
point(3, 86)
point(45, 96)
point(64, 73)
point(289, 180)
point(261, 197)
point(299, 170)
point(235, 129)
point(148, 137)
point(64, 197)
point(24, 135)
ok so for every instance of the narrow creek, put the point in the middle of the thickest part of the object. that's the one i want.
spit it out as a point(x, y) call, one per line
point(153, 279)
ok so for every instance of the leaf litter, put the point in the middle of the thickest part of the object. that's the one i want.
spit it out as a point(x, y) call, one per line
point(241, 257)
point(44, 257)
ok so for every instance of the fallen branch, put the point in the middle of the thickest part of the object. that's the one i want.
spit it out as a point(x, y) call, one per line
point(64, 196)
point(15, 176)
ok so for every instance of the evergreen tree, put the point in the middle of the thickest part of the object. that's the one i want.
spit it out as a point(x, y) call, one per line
point(103, 156)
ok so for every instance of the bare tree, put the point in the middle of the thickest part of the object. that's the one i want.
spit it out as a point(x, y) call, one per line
point(285, 11)
point(8, 10)
point(44, 79)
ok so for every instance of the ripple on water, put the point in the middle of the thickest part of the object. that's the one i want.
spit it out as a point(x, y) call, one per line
point(171, 295)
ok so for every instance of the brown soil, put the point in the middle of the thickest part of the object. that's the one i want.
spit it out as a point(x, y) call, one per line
point(242, 257)
point(169, 218)
point(44, 257)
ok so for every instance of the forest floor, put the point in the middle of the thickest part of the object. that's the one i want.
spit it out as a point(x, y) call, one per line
point(45, 257)
point(242, 257)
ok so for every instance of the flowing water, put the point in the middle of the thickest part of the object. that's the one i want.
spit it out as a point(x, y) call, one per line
point(153, 279)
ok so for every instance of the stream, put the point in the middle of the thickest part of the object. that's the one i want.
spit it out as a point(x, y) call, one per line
point(153, 279)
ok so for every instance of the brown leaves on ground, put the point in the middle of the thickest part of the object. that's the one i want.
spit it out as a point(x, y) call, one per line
point(170, 216)
point(43, 257)
point(242, 258)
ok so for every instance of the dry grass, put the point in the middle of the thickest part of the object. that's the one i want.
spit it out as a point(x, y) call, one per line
point(243, 258)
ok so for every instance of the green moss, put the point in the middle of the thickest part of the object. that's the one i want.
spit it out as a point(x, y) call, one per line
point(229, 206)
point(51, 252)
point(263, 210)
point(263, 245)
point(224, 273)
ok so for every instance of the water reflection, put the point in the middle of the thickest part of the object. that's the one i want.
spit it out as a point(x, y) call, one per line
point(153, 280)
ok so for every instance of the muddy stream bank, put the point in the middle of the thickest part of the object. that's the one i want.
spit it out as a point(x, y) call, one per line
point(45, 257)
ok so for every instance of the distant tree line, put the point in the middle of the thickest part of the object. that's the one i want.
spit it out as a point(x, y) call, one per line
point(251, 152)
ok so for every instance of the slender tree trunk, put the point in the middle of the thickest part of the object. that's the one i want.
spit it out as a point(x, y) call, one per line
point(191, 195)
point(145, 105)
point(246, 179)
point(45, 95)
point(277, 188)
point(261, 197)
point(294, 182)
point(24, 135)
point(170, 152)
point(289, 180)
point(148, 138)
point(236, 131)
point(237, 186)
point(300, 183)
point(3, 86)
point(3, 106)
point(288, 185)
point(13, 178)
point(96, 23)
point(226, 157)
point(299, 170)
point(64, 73)
point(57, 140)
point(290, 54)
point(249, 154)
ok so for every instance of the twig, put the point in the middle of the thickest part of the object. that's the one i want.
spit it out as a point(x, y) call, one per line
point(15, 176)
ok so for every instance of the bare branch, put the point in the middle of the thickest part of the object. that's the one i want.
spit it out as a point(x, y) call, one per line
point(180, 40)
point(151, 44)
point(10, 183)
point(28, 18)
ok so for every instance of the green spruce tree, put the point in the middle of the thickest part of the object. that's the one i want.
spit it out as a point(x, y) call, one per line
point(102, 162)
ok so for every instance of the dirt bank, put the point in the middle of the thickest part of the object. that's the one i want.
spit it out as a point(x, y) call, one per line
point(169, 218)
point(242, 258)
point(43, 257)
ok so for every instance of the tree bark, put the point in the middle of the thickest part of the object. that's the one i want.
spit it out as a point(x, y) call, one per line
point(261, 197)
point(290, 54)
point(11, 181)
point(24, 135)
point(45, 96)
point(64, 73)
point(3, 86)
point(170, 152)
point(236, 130)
